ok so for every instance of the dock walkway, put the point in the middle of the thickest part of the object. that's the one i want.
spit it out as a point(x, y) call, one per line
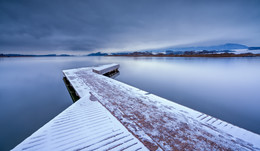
point(149, 121)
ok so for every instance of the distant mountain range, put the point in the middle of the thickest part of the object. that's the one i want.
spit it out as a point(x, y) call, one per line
point(224, 48)
point(253, 48)
point(227, 46)
point(97, 54)
point(220, 48)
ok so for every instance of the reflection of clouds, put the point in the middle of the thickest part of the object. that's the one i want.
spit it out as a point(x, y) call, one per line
point(227, 88)
point(217, 86)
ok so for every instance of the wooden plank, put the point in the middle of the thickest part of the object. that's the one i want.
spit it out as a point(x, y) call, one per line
point(148, 121)
point(85, 125)
point(160, 123)
point(105, 68)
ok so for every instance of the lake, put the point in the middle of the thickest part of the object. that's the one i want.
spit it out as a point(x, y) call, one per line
point(32, 91)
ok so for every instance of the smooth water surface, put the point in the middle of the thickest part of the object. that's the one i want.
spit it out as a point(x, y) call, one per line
point(32, 91)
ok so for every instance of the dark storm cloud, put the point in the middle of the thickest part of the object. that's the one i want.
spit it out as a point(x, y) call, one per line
point(123, 25)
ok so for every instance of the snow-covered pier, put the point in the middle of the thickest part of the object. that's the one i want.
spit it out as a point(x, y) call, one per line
point(111, 115)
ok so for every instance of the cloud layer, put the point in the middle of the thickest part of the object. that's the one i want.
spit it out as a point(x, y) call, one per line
point(125, 25)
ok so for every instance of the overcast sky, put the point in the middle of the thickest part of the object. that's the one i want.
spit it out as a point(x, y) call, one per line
point(83, 26)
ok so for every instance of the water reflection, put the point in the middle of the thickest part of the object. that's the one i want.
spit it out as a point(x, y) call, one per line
point(32, 91)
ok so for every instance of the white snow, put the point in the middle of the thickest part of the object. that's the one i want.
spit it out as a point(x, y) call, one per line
point(105, 68)
point(158, 123)
point(85, 125)
point(240, 51)
point(161, 122)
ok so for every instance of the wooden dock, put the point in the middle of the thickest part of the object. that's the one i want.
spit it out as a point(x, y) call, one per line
point(111, 115)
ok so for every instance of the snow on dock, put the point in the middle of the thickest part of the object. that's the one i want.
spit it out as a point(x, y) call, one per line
point(111, 113)
point(105, 68)
point(85, 125)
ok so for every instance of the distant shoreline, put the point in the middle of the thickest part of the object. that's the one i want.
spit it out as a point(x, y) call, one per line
point(194, 55)
point(143, 55)
point(21, 55)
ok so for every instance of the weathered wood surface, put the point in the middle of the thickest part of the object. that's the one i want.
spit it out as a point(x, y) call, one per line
point(144, 119)
point(159, 123)
point(85, 125)
point(105, 68)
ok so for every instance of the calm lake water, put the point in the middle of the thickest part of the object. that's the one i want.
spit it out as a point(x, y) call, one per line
point(32, 91)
